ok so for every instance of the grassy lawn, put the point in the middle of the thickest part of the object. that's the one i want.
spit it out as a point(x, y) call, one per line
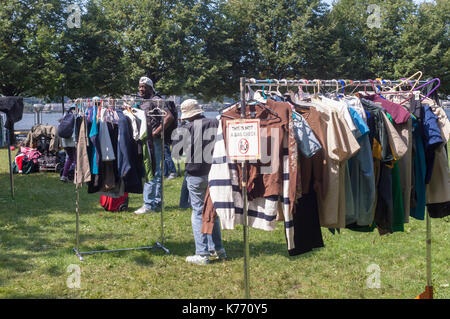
point(37, 235)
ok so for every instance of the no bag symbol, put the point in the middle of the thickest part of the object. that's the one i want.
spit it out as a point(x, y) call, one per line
point(243, 146)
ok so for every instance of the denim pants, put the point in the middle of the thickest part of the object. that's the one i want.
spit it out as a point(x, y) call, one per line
point(169, 165)
point(184, 195)
point(70, 159)
point(204, 243)
point(152, 189)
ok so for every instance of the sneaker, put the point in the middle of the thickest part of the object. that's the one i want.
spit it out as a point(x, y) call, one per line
point(197, 259)
point(64, 179)
point(172, 176)
point(220, 254)
point(143, 210)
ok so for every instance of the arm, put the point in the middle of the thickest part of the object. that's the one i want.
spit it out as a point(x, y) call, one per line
point(168, 119)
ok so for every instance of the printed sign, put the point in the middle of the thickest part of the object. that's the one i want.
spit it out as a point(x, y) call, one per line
point(243, 139)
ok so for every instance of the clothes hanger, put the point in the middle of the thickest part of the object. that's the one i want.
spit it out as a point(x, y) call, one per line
point(343, 87)
point(351, 83)
point(277, 92)
point(429, 82)
point(316, 94)
point(406, 80)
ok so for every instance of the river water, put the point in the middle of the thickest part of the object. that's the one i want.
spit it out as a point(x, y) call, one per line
point(27, 121)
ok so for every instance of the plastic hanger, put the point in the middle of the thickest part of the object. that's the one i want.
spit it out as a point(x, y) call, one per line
point(429, 82)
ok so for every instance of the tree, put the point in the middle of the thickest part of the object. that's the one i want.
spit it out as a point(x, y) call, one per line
point(30, 33)
point(425, 44)
point(91, 56)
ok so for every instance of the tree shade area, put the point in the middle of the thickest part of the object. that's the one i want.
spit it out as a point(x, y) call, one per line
point(203, 47)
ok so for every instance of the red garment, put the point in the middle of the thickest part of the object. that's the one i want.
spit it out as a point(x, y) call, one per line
point(398, 112)
point(19, 160)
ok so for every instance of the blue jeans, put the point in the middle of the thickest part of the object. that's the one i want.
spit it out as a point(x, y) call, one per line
point(204, 243)
point(169, 165)
point(184, 195)
point(152, 189)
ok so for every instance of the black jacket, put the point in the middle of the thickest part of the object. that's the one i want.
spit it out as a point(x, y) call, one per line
point(191, 140)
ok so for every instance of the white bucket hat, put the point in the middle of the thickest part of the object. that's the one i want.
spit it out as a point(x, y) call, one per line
point(190, 108)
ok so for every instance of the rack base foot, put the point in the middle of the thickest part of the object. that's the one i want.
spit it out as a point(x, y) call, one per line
point(158, 245)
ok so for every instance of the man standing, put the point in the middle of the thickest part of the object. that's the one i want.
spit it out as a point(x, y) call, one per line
point(196, 135)
point(152, 188)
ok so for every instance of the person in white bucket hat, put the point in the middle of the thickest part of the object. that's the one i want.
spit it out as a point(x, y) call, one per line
point(207, 246)
point(190, 109)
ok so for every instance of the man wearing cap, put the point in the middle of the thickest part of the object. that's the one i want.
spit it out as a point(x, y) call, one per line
point(152, 188)
point(195, 136)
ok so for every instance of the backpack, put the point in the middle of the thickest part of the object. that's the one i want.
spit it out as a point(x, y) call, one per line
point(114, 204)
point(66, 125)
point(23, 165)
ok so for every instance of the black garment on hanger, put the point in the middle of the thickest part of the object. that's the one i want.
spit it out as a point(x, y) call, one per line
point(307, 231)
point(130, 162)
point(12, 106)
point(439, 210)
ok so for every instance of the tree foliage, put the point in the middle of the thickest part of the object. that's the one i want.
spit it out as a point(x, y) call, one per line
point(203, 47)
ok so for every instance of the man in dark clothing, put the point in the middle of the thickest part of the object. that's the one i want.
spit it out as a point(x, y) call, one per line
point(152, 188)
point(195, 139)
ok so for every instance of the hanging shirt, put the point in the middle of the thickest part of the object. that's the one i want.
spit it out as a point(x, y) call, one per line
point(106, 147)
point(432, 139)
point(444, 123)
point(306, 139)
point(82, 169)
point(95, 143)
point(362, 175)
point(355, 103)
point(341, 145)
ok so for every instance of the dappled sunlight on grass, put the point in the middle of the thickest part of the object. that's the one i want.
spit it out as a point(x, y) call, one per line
point(37, 235)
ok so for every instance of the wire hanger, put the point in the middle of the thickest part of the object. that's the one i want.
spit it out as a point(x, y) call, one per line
point(406, 80)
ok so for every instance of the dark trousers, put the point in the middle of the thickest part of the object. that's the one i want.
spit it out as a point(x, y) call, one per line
point(70, 159)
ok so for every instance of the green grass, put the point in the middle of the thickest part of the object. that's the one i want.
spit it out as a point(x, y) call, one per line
point(37, 235)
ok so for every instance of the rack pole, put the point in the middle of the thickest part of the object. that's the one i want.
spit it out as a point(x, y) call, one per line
point(429, 282)
point(244, 198)
point(11, 179)
point(163, 149)
point(158, 245)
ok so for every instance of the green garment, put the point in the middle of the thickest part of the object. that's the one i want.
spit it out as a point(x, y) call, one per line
point(397, 196)
point(147, 159)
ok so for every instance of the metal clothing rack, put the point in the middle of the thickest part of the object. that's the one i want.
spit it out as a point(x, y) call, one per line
point(158, 244)
point(248, 82)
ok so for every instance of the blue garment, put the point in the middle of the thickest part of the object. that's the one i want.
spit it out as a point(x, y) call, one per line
point(306, 139)
point(152, 188)
point(169, 165)
point(432, 139)
point(358, 121)
point(204, 243)
point(129, 163)
point(123, 161)
point(418, 193)
point(362, 175)
point(93, 137)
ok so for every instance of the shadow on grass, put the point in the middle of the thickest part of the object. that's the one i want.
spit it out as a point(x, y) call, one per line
point(235, 249)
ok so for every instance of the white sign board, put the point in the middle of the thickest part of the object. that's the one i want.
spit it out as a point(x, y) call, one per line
point(243, 139)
